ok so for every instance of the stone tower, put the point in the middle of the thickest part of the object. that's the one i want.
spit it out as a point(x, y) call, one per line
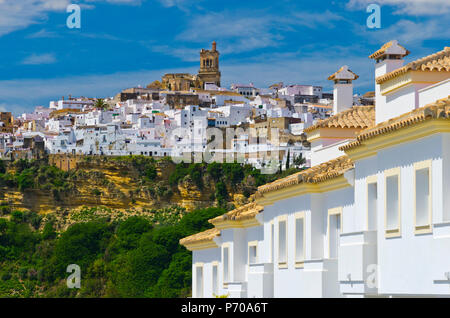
point(209, 66)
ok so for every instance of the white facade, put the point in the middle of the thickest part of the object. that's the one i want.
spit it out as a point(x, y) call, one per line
point(310, 90)
point(378, 228)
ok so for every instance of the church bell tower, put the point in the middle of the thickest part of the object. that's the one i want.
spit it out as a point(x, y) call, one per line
point(209, 66)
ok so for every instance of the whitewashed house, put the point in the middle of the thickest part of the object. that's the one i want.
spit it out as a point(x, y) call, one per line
point(371, 218)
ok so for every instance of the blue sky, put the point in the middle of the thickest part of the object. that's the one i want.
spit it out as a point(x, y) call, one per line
point(125, 43)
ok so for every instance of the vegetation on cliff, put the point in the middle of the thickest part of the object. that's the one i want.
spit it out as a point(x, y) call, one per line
point(129, 251)
point(129, 181)
point(129, 257)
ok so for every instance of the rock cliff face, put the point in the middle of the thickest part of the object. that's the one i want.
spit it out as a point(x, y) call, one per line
point(191, 197)
point(116, 185)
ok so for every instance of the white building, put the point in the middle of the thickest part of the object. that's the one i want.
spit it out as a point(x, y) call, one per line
point(305, 90)
point(70, 103)
point(370, 218)
point(248, 90)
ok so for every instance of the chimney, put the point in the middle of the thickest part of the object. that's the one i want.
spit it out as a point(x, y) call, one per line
point(214, 46)
point(343, 89)
point(388, 58)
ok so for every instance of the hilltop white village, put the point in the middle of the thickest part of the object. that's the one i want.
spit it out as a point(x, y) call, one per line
point(172, 117)
point(370, 218)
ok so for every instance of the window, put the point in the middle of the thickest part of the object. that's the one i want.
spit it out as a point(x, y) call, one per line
point(299, 239)
point(199, 281)
point(334, 231)
point(226, 264)
point(422, 197)
point(215, 279)
point(372, 203)
point(282, 242)
point(392, 202)
point(252, 252)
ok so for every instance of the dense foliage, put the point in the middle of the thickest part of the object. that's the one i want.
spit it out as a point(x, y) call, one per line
point(37, 174)
point(132, 257)
point(157, 180)
point(120, 254)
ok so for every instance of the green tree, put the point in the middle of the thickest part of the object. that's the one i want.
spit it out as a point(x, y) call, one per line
point(299, 161)
point(25, 180)
point(234, 172)
point(100, 104)
point(48, 232)
point(151, 173)
point(215, 171)
point(288, 159)
point(221, 193)
point(2, 166)
point(135, 272)
point(80, 244)
point(130, 231)
point(175, 281)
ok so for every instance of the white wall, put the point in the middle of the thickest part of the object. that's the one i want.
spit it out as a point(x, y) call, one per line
point(206, 258)
point(342, 97)
point(404, 262)
point(434, 92)
point(401, 101)
point(382, 68)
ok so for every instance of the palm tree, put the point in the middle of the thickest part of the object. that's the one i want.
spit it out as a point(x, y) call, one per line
point(299, 161)
point(100, 104)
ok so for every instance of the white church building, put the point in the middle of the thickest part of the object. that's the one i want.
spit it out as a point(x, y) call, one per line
point(370, 218)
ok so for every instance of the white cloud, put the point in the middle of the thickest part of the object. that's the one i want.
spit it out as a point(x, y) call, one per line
point(301, 68)
point(239, 32)
point(180, 4)
point(14, 108)
point(16, 15)
point(408, 32)
point(38, 59)
point(171, 3)
point(43, 34)
point(129, 2)
point(263, 70)
point(410, 7)
point(41, 91)
point(185, 54)
point(19, 14)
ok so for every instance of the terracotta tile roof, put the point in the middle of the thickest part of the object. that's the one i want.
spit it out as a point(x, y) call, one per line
point(225, 93)
point(369, 94)
point(244, 212)
point(437, 110)
point(383, 49)
point(64, 111)
point(320, 106)
point(204, 236)
point(355, 117)
point(233, 102)
point(439, 61)
point(342, 69)
point(325, 171)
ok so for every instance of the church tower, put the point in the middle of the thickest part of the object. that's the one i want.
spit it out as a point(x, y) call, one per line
point(209, 66)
